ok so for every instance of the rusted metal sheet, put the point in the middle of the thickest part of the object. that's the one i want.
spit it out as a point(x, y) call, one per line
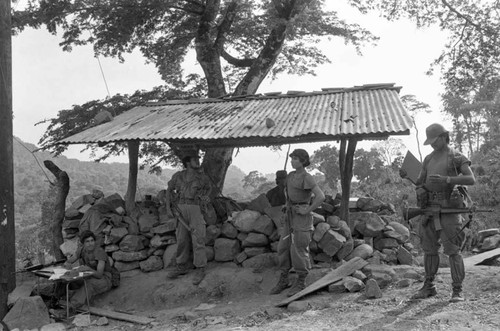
point(365, 112)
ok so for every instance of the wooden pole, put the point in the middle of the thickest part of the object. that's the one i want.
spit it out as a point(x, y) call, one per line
point(346, 163)
point(133, 161)
point(7, 223)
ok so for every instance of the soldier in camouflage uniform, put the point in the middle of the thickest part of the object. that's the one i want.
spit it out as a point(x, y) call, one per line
point(187, 189)
point(293, 247)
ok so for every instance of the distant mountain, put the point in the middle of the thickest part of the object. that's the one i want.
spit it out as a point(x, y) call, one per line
point(31, 183)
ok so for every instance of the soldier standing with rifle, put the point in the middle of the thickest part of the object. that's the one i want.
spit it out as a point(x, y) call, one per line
point(293, 247)
point(186, 190)
point(442, 170)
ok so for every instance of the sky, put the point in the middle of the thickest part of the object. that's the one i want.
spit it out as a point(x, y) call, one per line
point(46, 79)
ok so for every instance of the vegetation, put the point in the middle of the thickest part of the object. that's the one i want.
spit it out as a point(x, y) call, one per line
point(237, 44)
point(31, 186)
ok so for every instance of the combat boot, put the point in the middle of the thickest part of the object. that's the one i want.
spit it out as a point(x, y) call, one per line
point(298, 286)
point(456, 295)
point(199, 275)
point(282, 284)
point(428, 289)
point(179, 270)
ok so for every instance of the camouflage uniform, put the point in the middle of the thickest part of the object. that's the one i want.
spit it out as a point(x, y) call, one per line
point(186, 191)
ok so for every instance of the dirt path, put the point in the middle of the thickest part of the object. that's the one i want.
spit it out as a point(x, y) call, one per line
point(232, 298)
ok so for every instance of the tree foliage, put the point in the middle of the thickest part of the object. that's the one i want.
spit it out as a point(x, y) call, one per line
point(326, 160)
point(368, 165)
point(469, 63)
point(237, 41)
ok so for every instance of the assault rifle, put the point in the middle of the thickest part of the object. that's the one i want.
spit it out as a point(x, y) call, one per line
point(437, 211)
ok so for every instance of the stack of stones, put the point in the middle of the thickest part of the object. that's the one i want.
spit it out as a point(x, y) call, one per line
point(374, 233)
point(132, 242)
point(248, 237)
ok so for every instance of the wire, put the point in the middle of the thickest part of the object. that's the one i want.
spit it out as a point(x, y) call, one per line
point(103, 77)
point(32, 153)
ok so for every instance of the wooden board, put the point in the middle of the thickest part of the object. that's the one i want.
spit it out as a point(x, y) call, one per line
point(119, 316)
point(333, 276)
point(483, 257)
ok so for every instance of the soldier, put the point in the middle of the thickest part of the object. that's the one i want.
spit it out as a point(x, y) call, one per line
point(276, 195)
point(442, 170)
point(293, 247)
point(186, 190)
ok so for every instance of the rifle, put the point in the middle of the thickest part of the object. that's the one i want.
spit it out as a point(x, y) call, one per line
point(180, 217)
point(39, 266)
point(437, 211)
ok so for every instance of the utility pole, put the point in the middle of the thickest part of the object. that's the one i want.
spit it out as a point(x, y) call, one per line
point(7, 225)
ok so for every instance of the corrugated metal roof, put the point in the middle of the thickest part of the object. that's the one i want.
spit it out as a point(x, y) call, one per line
point(364, 112)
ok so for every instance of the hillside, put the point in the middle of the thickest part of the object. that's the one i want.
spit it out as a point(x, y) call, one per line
point(31, 184)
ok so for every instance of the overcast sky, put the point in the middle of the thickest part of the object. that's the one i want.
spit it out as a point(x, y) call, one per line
point(46, 79)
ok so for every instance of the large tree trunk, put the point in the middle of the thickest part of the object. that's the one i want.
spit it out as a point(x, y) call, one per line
point(133, 167)
point(346, 162)
point(61, 187)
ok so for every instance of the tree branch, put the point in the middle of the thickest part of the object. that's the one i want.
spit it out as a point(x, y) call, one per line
point(466, 18)
point(240, 63)
point(225, 25)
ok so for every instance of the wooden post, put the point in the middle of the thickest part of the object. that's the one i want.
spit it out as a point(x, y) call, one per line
point(7, 222)
point(61, 190)
point(133, 161)
point(346, 162)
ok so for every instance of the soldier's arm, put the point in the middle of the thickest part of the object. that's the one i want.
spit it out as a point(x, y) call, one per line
point(467, 177)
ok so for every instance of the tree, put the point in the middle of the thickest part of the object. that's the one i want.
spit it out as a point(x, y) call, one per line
point(415, 107)
point(326, 160)
point(368, 165)
point(390, 149)
point(470, 59)
point(235, 41)
point(253, 180)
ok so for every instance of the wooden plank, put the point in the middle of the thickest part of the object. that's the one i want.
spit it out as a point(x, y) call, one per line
point(483, 257)
point(333, 276)
point(119, 316)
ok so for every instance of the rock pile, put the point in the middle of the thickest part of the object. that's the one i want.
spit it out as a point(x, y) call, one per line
point(248, 237)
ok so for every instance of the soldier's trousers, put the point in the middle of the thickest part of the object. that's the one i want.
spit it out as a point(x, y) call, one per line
point(294, 253)
point(196, 239)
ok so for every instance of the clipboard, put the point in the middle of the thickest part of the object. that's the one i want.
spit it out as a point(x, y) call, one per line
point(412, 166)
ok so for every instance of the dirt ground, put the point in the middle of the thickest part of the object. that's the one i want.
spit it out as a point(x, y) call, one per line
point(233, 298)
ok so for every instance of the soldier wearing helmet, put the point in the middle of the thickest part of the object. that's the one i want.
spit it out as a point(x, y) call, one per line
point(293, 247)
point(442, 170)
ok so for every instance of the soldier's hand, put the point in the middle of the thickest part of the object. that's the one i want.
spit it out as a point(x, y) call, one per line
point(403, 173)
point(301, 210)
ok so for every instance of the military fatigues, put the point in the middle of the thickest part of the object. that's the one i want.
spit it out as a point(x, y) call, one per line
point(187, 189)
point(94, 285)
point(451, 236)
point(293, 247)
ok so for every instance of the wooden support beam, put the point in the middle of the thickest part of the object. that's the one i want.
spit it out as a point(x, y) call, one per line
point(346, 163)
point(119, 316)
point(133, 168)
point(7, 222)
point(333, 276)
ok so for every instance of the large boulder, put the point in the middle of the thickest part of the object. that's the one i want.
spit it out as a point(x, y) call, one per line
point(116, 234)
point(490, 243)
point(383, 243)
point(263, 225)
point(226, 249)
point(331, 242)
point(244, 220)
point(369, 204)
point(27, 314)
point(212, 233)
point(147, 222)
point(131, 243)
point(367, 223)
point(229, 231)
point(320, 231)
point(254, 251)
point(401, 229)
point(255, 240)
point(346, 249)
point(363, 251)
